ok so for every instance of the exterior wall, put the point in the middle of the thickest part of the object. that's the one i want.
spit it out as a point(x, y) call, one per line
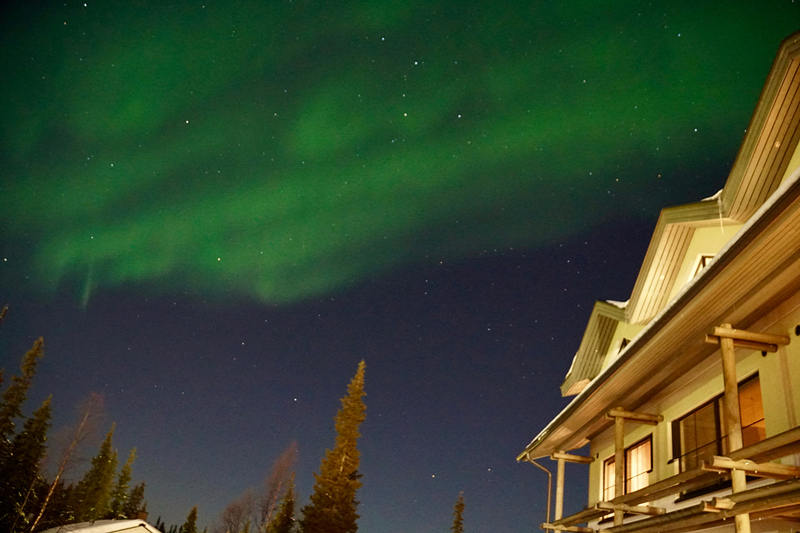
point(782, 371)
point(623, 331)
point(779, 374)
point(708, 240)
point(603, 447)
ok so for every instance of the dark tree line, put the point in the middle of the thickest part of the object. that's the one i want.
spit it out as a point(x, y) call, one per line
point(30, 500)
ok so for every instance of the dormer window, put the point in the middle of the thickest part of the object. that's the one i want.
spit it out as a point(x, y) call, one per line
point(702, 261)
point(623, 344)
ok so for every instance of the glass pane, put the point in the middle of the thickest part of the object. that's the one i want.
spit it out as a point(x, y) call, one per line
point(608, 480)
point(706, 426)
point(638, 459)
point(698, 436)
point(752, 411)
point(698, 431)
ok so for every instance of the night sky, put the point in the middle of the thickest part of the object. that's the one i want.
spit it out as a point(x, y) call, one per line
point(213, 210)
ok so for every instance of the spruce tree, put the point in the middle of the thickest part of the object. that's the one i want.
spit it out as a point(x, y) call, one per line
point(190, 526)
point(60, 509)
point(284, 519)
point(121, 491)
point(458, 515)
point(135, 502)
point(14, 396)
point(58, 494)
point(94, 489)
point(333, 503)
point(21, 480)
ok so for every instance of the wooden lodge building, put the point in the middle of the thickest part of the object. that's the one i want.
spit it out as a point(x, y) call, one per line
point(688, 395)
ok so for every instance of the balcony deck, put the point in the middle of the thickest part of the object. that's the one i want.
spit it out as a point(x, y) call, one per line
point(702, 515)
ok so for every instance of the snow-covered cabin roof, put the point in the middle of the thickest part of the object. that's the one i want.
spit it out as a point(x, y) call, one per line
point(106, 526)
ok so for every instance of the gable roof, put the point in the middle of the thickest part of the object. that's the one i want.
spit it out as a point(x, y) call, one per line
point(588, 360)
point(756, 271)
point(771, 139)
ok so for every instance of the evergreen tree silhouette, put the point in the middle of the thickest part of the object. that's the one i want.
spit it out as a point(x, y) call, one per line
point(21, 476)
point(94, 489)
point(333, 503)
point(284, 519)
point(121, 491)
point(458, 515)
point(190, 526)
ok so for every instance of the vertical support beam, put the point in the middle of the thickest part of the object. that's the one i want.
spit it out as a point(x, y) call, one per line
point(560, 490)
point(733, 420)
point(619, 465)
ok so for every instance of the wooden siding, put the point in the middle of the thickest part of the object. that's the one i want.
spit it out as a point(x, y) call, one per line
point(773, 150)
point(671, 239)
point(758, 156)
point(594, 346)
point(651, 291)
point(772, 137)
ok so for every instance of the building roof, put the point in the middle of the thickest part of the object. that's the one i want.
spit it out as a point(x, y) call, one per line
point(106, 526)
point(596, 340)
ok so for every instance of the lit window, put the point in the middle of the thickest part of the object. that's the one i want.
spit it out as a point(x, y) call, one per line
point(608, 480)
point(638, 465)
point(701, 431)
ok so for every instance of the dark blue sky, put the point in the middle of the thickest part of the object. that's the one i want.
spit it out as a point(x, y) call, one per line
point(213, 212)
point(464, 362)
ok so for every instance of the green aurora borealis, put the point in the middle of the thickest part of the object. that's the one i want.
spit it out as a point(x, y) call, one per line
point(281, 150)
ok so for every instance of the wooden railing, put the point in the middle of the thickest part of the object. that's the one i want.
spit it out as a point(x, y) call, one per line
point(778, 496)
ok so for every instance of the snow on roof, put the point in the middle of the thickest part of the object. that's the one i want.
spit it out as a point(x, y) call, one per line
point(106, 526)
point(621, 305)
point(715, 197)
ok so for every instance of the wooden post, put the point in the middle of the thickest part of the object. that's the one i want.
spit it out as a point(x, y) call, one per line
point(619, 465)
point(560, 490)
point(733, 420)
point(619, 414)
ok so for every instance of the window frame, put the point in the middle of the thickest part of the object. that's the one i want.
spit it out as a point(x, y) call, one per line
point(700, 263)
point(677, 454)
point(612, 459)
